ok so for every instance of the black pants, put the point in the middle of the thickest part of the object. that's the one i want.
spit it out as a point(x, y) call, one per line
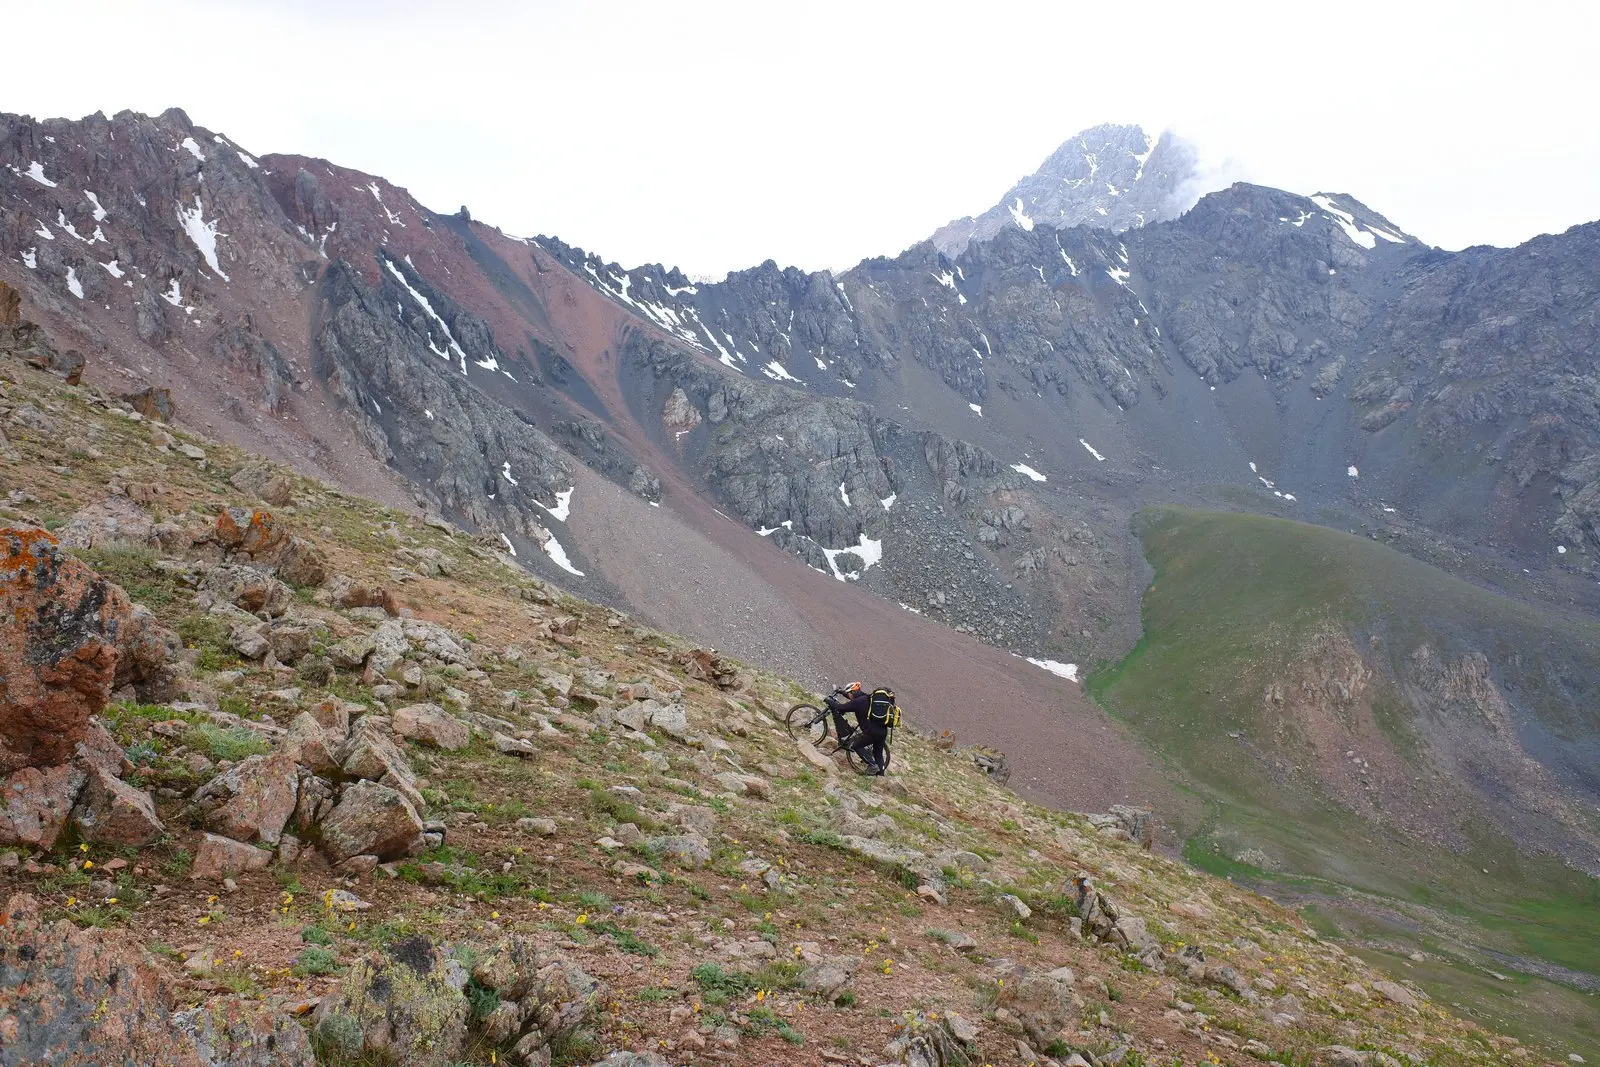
point(870, 743)
point(841, 726)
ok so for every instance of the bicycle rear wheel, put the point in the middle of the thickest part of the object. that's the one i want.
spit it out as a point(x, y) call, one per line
point(807, 722)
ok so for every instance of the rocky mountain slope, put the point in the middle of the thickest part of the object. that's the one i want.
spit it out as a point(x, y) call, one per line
point(925, 469)
point(1109, 177)
point(330, 784)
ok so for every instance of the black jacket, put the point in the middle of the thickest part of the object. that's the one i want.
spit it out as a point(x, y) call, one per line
point(856, 705)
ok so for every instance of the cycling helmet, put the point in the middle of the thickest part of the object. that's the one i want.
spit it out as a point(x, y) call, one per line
point(853, 687)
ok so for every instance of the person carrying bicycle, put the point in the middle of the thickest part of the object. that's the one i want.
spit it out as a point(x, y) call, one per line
point(882, 714)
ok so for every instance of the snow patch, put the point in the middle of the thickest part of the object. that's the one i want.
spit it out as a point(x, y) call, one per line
point(44, 231)
point(768, 531)
point(30, 258)
point(253, 165)
point(888, 501)
point(189, 145)
point(1353, 472)
point(778, 373)
point(1020, 215)
point(74, 286)
point(977, 409)
point(174, 295)
point(505, 472)
point(100, 213)
point(1346, 221)
point(558, 555)
point(1119, 275)
point(36, 172)
point(1561, 549)
point(421, 300)
point(1091, 449)
point(202, 233)
point(511, 548)
point(113, 269)
point(867, 550)
point(563, 506)
point(1029, 472)
point(1069, 671)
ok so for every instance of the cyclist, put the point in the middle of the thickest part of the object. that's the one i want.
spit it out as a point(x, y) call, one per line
point(871, 741)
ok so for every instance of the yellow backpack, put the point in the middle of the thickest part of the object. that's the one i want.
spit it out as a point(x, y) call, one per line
point(883, 709)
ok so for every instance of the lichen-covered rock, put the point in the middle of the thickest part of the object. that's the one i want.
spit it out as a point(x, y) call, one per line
point(302, 563)
point(371, 820)
point(35, 803)
point(432, 725)
point(560, 1002)
point(234, 1032)
point(112, 812)
point(312, 745)
point(216, 858)
point(246, 587)
point(114, 520)
point(252, 800)
point(829, 977)
point(371, 753)
point(82, 997)
point(405, 1003)
point(59, 628)
point(265, 482)
point(1045, 1003)
point(688, 850)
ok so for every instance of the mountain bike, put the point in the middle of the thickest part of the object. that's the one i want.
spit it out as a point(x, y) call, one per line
point(809, 722)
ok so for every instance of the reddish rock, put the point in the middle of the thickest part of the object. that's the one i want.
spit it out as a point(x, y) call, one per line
point(216, 858)
point(112, 812)
point(99, 749)
point(116, 519)
point(302, 563)
point(348, 593)
point(153, 403)
point(371, 819)
point(35, 803)
point(59, 626)
point(253, 800)
point(250, 532)
point(147, 654)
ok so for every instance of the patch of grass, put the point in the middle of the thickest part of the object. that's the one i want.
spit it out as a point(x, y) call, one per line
point(229, 743)
point(626, 939)
point(315, 960)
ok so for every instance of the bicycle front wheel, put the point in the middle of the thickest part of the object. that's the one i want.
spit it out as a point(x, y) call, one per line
point(807, 722)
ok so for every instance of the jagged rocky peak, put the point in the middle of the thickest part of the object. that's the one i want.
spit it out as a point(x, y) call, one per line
point(1110, 177)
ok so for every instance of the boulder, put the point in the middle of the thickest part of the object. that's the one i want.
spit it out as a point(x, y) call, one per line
point(111, 812)
point(1013, 907)
point(290, 643)
point(147, 657)
point(153, 403)
point(1395, 993)
point(236, 1032)
point(348, 593)
point(264, 482)
point(371, 819)
point(312, 745)
point(560, 1002)
point(372, 754)
point(1045, 1004)
point(252, 800)
point(688, 850)
point(248, 588)
point(92, 996)
point(35, 803)
point(829, 977)
point(404, 1004)
point(1224, 977)
point(351, 652)
point(112, 521)
point(431, 725)
point(216, 858)
point(302, 563)
point(60, 624)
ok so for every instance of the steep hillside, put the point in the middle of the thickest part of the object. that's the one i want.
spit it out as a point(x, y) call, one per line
point(1356, 718)
point(366, 792)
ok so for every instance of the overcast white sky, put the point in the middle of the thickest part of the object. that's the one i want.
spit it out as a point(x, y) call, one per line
point(715, 135)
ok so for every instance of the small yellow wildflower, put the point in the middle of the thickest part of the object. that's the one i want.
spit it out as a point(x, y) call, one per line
point(583, 918)
point(87, 864)
point(202, 920)
point(83, 846)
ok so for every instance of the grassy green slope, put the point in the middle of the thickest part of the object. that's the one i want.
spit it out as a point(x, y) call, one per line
point(1234, 601)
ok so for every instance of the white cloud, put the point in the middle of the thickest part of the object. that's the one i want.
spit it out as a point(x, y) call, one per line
point(651, 132)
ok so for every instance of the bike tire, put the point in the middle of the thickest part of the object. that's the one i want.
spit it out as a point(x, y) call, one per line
point(807, 722)
point(859, 765)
